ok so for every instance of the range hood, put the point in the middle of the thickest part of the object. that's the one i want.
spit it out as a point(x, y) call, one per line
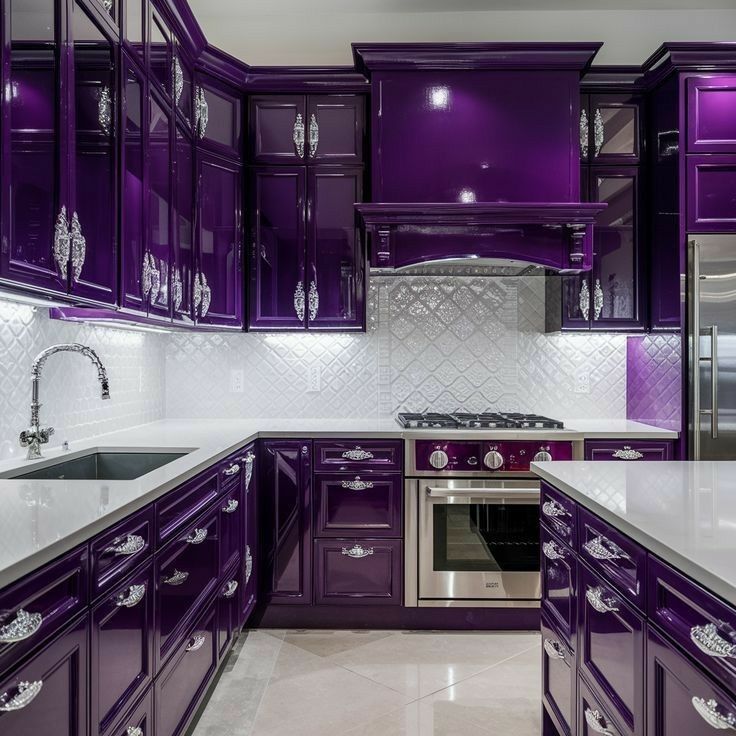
point(475, 155)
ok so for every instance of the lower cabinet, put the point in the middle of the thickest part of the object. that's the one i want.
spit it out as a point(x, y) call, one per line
point(228, 608)
point(629, 450)
point(593, 717)
point(138, 721)
point(559, 677)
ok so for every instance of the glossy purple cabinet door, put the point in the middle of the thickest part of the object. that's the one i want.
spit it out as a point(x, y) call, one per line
point(183, 256)
point(285, 496)
point(711, 114)
point(278, 298)
point(629, 450)
point(334, 129)
point(219, 242)
point(121, 658)
point(559, 676)
point(277, 129)
point(559, 585)
point(58, 676)
point(711, 198)
point(335, 254)
point(221, 127)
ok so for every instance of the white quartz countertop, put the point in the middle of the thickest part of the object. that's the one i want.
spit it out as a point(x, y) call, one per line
point(42, 519)
point(684, 512)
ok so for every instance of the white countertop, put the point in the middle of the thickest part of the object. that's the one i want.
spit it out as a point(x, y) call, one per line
point(42, 519)
point(684, 512)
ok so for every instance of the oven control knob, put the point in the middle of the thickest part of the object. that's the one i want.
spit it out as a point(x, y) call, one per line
point(438, 459)
point(543, 455)
point(493, 460)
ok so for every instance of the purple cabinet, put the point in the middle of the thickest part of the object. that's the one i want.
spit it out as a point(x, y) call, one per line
point(610, 129)
point(711, 114)
point(47, 695)
point(185, 503)
point(366, 571)
point(335, 129)
point(559, 570)
point(218, 117)
point(559, 676)
point(358, 456)
point(629, 450)
point(711, 193)
point(228, 605)
point(249, 575)
point(276, 129)
point(285, 496)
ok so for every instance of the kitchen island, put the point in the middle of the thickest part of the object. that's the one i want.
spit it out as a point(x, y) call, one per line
point(639, 597)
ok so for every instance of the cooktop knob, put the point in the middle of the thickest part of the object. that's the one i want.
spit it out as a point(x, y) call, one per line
point(438, 459)
point(543, 455)
point(493, 460)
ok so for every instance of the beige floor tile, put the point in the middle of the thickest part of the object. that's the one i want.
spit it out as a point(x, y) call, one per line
point(328, 643)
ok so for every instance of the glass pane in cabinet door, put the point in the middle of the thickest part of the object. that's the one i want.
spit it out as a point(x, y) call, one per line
point(576, 303)
point(161, 56)
point(615, 130)
point(182, 277)
point(134, 15)
point(37, 146)
point(93, 273)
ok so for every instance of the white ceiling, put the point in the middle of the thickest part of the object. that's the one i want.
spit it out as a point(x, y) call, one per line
point(319, 32)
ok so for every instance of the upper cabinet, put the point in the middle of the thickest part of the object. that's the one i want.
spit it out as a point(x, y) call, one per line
point(610, 128)
point(218, 117)
point(711, 114)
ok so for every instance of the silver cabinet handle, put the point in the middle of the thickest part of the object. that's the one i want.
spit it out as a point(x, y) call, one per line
point(107, 4)
point(298, 135)
point(584, 300)
point(357, 484)
point(552, 551)
point(134, 731)
point(62, 242)
point(249, 460)
point(232, 506)
point(357, 454)
point(313, 301)
point(583, 133)
point(104, 110)
point(196, 642)
point(599, 136)
point(230, 588)
point(248, 563)
point(596, 722)
point(197, 536)
point(177, 288)
point(709, 641)
point(206, 296)
point(554, 510)
point(594, 596)
point(201, 112)
point(627, 454)
point(146, 279)
point(27, 691)
point(151, 279)
point(600, 548)
point(597, 299)
point(299, 301)
point(708, 711)
point(133, 544)
point(177, 578)
point(134, 597)
point(177, 79)
point(357, 551)
point(313, 135)
point(197, 295)
point(553, 649)
point(23, 626)
point(233, 469)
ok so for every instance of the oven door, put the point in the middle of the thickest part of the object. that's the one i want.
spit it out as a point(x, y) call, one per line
point(479, 540)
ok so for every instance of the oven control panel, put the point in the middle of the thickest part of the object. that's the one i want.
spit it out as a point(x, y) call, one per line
point(487, 455)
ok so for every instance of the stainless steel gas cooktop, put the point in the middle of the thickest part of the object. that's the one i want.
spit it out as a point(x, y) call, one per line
point(485, 420)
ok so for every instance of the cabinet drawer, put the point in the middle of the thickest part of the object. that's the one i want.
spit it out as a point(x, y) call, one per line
point(559, 584)
point(361, 571)
point(228, 603)
point(629, 451)
point(681, 699)
point(36, 607)
point(232, 513)
point(181, 685)
point(350, 504)
point(54, 687)
point(558, 512)
point(184, 504)
point(621, 561)
point(358, 455)
point(698, 622)
point(711, 193)
point(593, 717)
point(558, 678)
point(186, 573)
point(711, 114)
point(611, 649)
point(119, 550)
point(139, 717)
point(121, 648)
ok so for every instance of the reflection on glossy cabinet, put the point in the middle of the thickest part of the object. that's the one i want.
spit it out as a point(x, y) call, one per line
point(610, 128)
point(711, 114)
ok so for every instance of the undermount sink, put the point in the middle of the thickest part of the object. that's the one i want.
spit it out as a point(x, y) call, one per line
point(103, 466)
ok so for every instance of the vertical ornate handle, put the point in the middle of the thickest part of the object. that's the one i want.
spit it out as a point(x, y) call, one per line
point(177, 79)
point(206, 295)
point(155, 279)
point(313, 301)
point(104, 110)
point(62, 242)
point(299, 301)
point(249, 459)
point(201, 112)
point(248, 563)
point(313, 135)
point(146, 279)
point(584, 132)
point(78, 247)
point(197, 296)
point(598, 132)
point(584, 300)
point(298, 135)
point(597, 299)
point(177, 289)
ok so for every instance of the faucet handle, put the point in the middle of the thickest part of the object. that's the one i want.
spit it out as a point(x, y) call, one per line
point(45, 433)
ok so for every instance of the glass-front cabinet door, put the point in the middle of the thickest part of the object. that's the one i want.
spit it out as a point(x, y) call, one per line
point(182, 260)
point(610, 129)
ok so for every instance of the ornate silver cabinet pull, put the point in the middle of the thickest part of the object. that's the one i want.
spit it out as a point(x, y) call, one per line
point(197, 295)
point(197, 536)
point(27, 691)
point(201, 112)
point(62, 242)
point(627, 454)
point(177, 578)
point(206, 296)
point(709, 641)
point(23, 626)
point(313, 301)
point(230, 588)
point(134, 731)
point(708, 711)
point(248, 563)
point(196, 642)
point(299, 301)
point(553, 649)
point(232, 506)
point(357, 551)
point(552, 551)
point(313, 135)
point(594, 596)
point(134, 597)
point(133, 543)
point(177, 288)
point(584, 300)
point(104, 110)
point(234, 469)
point(107, 4)
point(357, 484)
point(146, 281)
point(554, 510)
point(601, 548)
point(583, 133)
point(357, 454)
point(596, 722)
point(597, 299)
point(298, 135)
point(177, 79)
point(249, 459)
point(598, 132)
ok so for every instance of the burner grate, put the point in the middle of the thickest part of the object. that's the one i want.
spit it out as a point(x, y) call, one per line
point(483, 420)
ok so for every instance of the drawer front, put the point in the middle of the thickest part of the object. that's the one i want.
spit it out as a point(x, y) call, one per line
point(559, 584)
point(181, 685)
point(613, 555)
point(186, 573)
point(711, 196)
point(559, 514)
point(232, 513)
point(119, 550)
point(682, 701)
point(121, 648)
point(228, 603)
point(711, 114)
point(184, 504)
point(36, 607)
point(594, 718)
point(698, 622)
point(361, 571)
point(58, 677)
point(351, 504)
point(611, 649)
point(628, 451)
point(558, 678)
point(139, 717)
point(358, 455)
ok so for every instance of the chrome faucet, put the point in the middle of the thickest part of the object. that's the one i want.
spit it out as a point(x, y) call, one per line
point(35, 435)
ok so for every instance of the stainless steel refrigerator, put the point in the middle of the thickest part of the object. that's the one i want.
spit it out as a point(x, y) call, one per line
point(711, 287)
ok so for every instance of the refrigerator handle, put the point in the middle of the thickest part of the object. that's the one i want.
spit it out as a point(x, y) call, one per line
point(694, 274)
point(714, 381)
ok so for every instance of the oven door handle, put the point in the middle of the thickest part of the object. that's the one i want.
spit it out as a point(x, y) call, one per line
point(484, 493)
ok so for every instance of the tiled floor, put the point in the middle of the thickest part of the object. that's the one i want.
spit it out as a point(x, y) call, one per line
point(363, 683)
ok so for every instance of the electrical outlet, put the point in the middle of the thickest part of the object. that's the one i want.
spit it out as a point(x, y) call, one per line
point(315, 379)
point(237, 379)
point(582, 381)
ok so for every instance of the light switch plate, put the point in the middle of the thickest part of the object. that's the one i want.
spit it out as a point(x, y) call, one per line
point(315, 379)
point(237, 379)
